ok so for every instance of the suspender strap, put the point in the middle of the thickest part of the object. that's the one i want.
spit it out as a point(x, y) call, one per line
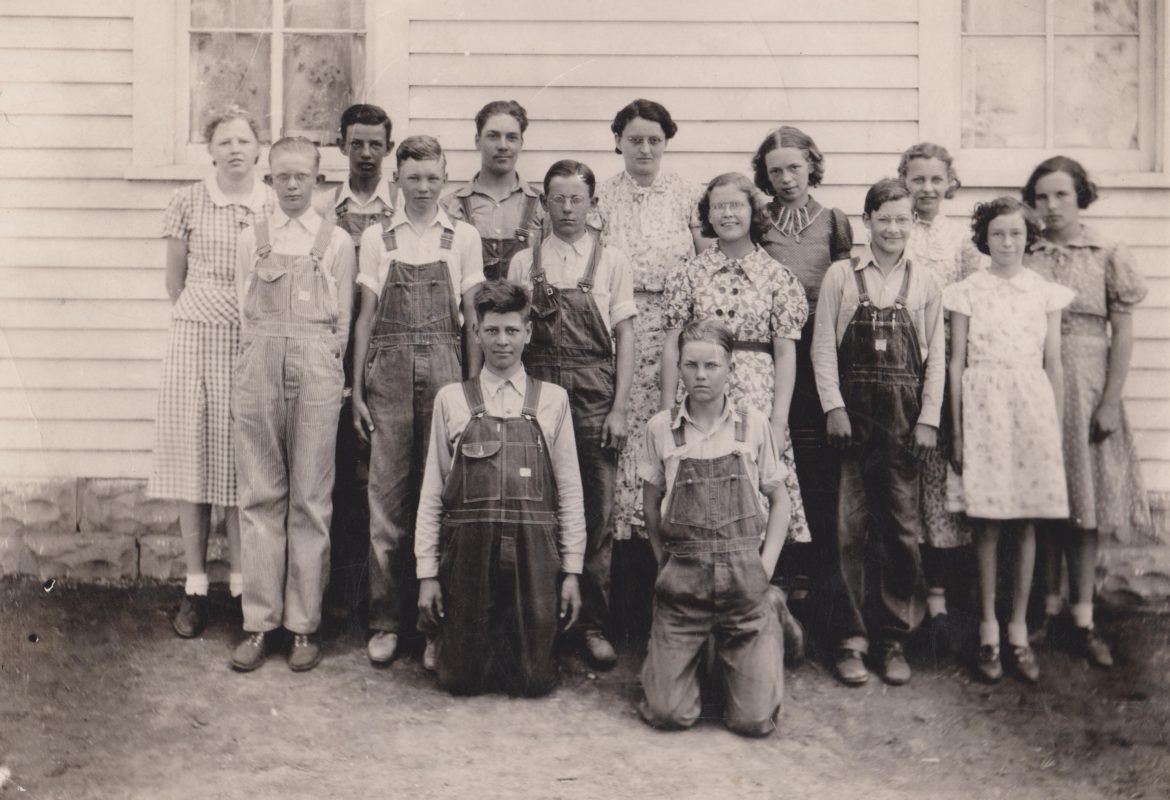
point(339, 209)
point(679, 434)
point(321, 243)
point(859, 279)
point(740, 425)
point(474, 396)
point(263, 240)
point(537, 271)
point(447, 239)
point(529, 216)
point(905, 290)
point(389, 237)
point(465, 205)
point(586, 282)
point(531, 398)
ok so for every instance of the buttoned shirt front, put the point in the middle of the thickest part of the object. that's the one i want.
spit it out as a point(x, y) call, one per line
point(503, 396)
point(837, 304)
point(495, 219)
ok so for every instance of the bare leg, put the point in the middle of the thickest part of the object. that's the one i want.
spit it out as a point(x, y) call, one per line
point(986, 549)
point(1026, 562)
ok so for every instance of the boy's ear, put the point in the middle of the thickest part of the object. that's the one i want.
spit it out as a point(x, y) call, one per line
point(389, 146)
point(268, 178)
point(527, 331)
point(320, 178)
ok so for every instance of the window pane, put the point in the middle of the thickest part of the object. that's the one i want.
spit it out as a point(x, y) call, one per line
point(1003, 92)
point(1095, 16)
point(325, 14)
point(230, 69)
point(231, 13)
point(322, 76)
point(1096, 92)
point(1003, 16)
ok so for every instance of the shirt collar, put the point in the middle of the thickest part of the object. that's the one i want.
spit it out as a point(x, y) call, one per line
point(684, 413)
point(310, 220)
point(254, 201)
point(440, 219)
point(583, 247)
point(381, 192)
point(491, 383)
point(868, 259)
point(472, 187)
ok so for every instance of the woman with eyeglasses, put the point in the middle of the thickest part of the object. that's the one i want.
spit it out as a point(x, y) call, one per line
point(649, 214)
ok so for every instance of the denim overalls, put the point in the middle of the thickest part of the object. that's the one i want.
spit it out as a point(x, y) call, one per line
point(571, 347)
point(414, 351)
point(497, 253)
point(713, 585)
point(881, 374)
point(499, 558)
point(286, 395)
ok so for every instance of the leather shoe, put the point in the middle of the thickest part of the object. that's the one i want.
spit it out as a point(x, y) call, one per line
point(382, 646)
point(249, 653)
point(1023, 663)
point(850, 667)
point(1093, 647)
point(305, 653)
point(987, 663)
point(895, 669)
point(600, 651)
point(191, 618)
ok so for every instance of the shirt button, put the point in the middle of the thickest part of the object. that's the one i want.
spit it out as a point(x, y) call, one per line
point(735, 291)
point(719, 312)
point(731, 313)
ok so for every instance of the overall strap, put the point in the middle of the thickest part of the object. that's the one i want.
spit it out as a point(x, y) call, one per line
point(465, 205)
point(859, 279)
point(537, 271)
point(447, 239)
point(474, 396)
point(586, 282)
point(263, 239)
point(679, 433)
point(740, 425)
point(904, 292)
point(529, 215)
point(321, 242)
point(531, 398)
point(389, 237)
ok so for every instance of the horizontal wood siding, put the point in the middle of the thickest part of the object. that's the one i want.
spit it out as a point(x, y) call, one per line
point(82, 306)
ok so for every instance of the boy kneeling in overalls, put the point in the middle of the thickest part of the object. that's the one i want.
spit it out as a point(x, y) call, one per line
point(708, 460)
point(500, 514)
point(294, 276)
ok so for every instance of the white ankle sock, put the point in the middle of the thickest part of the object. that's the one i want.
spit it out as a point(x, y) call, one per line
point(936, 601)
point(197, 583)
point(989, 633)
point(236, 583)
point(1018, 634)
point(1052, 604)
point(1082, 615)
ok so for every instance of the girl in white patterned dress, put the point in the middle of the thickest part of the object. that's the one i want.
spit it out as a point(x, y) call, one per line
point(1006, 388)
point(194, 462)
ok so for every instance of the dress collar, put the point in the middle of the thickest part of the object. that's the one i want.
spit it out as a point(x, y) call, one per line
point(1086, 237)
point(254, 201)
point(1022, 281)
point(749, 264)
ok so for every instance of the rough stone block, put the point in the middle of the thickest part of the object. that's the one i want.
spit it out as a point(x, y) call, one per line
point(1134, 576)
point(14, 556)
point(121, 506)
point(160, 557)
point(82, 557)
point(49, 504)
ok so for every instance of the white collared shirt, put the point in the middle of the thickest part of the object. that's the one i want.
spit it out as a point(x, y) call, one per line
point(422, 246)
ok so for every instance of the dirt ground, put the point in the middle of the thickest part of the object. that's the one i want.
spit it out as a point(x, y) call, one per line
point(98, 699)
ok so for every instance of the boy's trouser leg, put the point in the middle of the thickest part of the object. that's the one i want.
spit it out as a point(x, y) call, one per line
point(852, 532)
point(898, 518)
point(467, 576)
point(750, 650)
point(259, 414)
point(311, 445)
point(524, 621)
point(599, 467)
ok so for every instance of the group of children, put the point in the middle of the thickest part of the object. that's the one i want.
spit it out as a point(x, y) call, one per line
point(493, 346)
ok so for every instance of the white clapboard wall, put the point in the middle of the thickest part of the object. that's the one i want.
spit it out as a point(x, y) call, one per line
point(83, 313)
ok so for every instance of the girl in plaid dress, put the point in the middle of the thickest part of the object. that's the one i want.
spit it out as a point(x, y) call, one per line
point(193, 458)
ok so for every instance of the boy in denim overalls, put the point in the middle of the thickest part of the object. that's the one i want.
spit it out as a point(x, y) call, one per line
point(500, 515)
point(583, 340)
point(414, 269)
point(294, 275)
point(707, 460)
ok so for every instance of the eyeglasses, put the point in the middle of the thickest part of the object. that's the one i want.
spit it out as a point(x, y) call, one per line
point(729, 205)
point(575, 200)
point(299, 177)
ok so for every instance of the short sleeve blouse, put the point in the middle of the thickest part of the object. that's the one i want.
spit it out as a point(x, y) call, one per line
point(1102, 273)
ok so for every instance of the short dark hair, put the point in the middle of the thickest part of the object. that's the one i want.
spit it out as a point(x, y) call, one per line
point(1086, 189)
point(1001, 207)
point(419, 148)
point(568, 168)
point(787, 136)
point(502, 297)
point(295, 144)
point(365, 114)
point(706, 330)
point(885, 191)
point(756, 201)
point(930, 150)
point(647, 110)
point(509, 107)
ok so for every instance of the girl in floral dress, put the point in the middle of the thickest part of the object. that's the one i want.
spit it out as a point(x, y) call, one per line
point(1006, 395)
point(649, 214)
point(1105, 487)
point(943, 246)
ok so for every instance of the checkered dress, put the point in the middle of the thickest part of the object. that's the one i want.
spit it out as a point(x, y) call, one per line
point(193, 456)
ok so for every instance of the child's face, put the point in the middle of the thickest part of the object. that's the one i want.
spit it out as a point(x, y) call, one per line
point(421, 183)
point(642, 144)
point(234, 148)
point(568, 204)
point(890, 226)
point(704, 367)
point(1056, 201)
point(927, 179)
point(499, 144)
point(788, 174)
point(293, 176)
point(730, 213)
point(502, 337)
point(366, 146)
point(1007, 237)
